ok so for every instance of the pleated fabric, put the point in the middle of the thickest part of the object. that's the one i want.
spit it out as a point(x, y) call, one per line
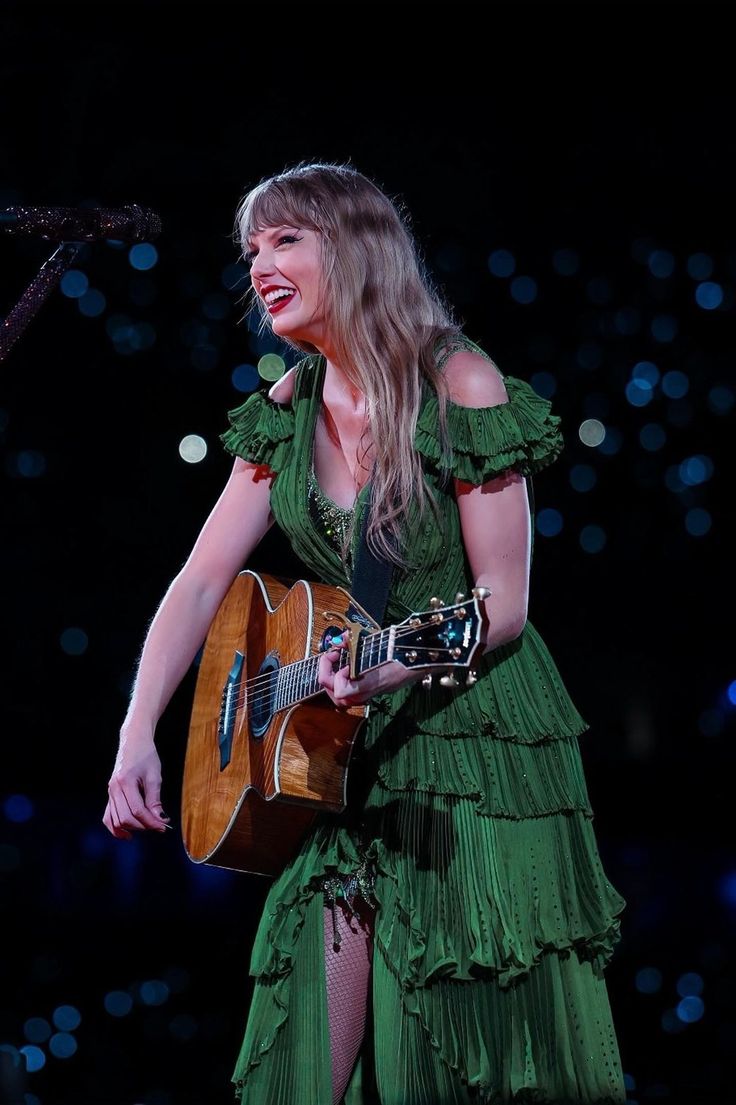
point(495, 918)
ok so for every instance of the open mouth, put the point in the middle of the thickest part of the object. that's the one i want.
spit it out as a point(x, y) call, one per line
point(276, 301)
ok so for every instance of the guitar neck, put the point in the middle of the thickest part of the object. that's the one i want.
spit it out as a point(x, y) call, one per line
point(300, 680)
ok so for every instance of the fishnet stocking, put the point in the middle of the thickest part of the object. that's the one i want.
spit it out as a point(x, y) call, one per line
point(347, 974)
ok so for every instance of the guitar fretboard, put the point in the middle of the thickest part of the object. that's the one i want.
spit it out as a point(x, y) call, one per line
point(295, 682)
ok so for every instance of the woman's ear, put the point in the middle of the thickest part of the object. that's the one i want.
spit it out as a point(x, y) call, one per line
point(283, 390)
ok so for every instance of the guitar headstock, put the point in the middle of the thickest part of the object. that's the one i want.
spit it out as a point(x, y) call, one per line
point(443, 637)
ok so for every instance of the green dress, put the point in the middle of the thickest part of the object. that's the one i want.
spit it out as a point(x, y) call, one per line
point(468, 825)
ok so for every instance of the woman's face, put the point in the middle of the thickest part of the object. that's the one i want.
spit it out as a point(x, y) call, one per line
point(286, 273)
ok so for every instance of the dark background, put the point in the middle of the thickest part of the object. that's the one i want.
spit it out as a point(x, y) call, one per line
point(604, 130)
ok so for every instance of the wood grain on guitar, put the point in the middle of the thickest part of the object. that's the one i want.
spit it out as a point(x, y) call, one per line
point(267, 749)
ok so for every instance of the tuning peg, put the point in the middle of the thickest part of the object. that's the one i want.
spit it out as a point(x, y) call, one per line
point(436, 603)
point(481, 593)
point(458, 598)
point(471, 678)
point(427, 682)
point(449, 681)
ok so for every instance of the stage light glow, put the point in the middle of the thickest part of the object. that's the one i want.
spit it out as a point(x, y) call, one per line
point(117, 1003)
point(74, 284)
point(592, 539)
point(583, 477)
point(66, 1018)
point(731, 693)
point(154, 992)
point(192, 448)
point(664, 328)
point(566, 262)
point(37, 1030)
point(690, 983)
point(30, 463)
point(648, 980)
point(698, 522)
point(544, 384)
point(143, 256)
point(639, 392)
point(245, 377)
point(549, 522)
point(661, 263)
point(74, 641)
point(92, 304)
point(523, 289)
point(721, 399)
point(675, 384)
point(501, 263)
point(62, 1045)
point(34, 1057)
point(709, 295)
point(700, 266)
point(591, 432)
point(183, 1027)
point(652, 437)
point(271, 367)
point(690, 1009)
point(727, 888)
point(18, 808)
point(612, 442)
point(696, 469)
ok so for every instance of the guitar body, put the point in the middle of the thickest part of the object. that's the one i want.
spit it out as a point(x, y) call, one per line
point(255, 776)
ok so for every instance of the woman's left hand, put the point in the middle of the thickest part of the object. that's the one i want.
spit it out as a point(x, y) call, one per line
point(345, 692)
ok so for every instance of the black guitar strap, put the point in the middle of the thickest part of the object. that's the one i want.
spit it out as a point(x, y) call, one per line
point(371, 575)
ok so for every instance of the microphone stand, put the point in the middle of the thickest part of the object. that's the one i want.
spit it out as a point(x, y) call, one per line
point(36, 293)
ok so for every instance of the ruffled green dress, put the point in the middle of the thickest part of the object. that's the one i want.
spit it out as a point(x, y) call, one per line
point(468, 826)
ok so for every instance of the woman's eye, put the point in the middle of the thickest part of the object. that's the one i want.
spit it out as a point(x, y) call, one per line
point(289, 238)
point(250, 257)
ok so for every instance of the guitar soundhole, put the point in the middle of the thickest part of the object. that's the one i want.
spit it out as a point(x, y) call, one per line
point(262, 697)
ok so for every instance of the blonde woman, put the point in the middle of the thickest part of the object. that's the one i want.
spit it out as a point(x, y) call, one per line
point(444, 940)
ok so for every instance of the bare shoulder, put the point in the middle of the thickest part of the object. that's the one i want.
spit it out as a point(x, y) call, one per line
point(473, 380)
point(283, 390)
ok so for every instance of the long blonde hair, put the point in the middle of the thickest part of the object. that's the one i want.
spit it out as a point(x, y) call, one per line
point(387, 320)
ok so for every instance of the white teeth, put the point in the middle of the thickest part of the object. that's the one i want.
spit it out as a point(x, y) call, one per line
point(278, 293)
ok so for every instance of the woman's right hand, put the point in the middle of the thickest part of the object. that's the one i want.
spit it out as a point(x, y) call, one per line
point(134, 791)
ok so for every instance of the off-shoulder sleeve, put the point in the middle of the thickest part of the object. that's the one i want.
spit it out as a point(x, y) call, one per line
point(522, 434)
point(261, 431)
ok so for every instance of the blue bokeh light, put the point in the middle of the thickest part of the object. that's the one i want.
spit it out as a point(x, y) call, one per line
point(700, 266)
point(544, 383)
point(18, 808)
point(549, 522)
point(690, 983)
point(154, 992)
point(67, 1018)
point(92, 304)
point(627, 320)
point(565, 261)
point(612, 442)
point(639, 392)
point(501, 263)
point(74, 641)
point(646, 371)
point(690, 1009)
point(709, 295)
point(675, 384)
point(183, 1027)
point(34, 1056)
point(661, 263)
point(731, 693)
point(74, 284)
point(62, 1045)
point(652, 437)
point(245, 377)
point(664, 328)
point(37, 1030)
point(30, 463)
point(698, 521)
point(592, 539)
point(523, 289)
point(696, 469)
point(143, 256)
point(117, 1003)
point(648, 980)
point(721, 399)
point(583, 477)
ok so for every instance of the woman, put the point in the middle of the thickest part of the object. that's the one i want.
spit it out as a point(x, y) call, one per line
point(458, 909)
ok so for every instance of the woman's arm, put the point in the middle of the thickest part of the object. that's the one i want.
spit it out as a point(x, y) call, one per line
point(238, 521)
point(494, 516)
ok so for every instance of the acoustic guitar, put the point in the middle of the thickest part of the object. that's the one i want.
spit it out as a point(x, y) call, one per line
point(267, 748)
